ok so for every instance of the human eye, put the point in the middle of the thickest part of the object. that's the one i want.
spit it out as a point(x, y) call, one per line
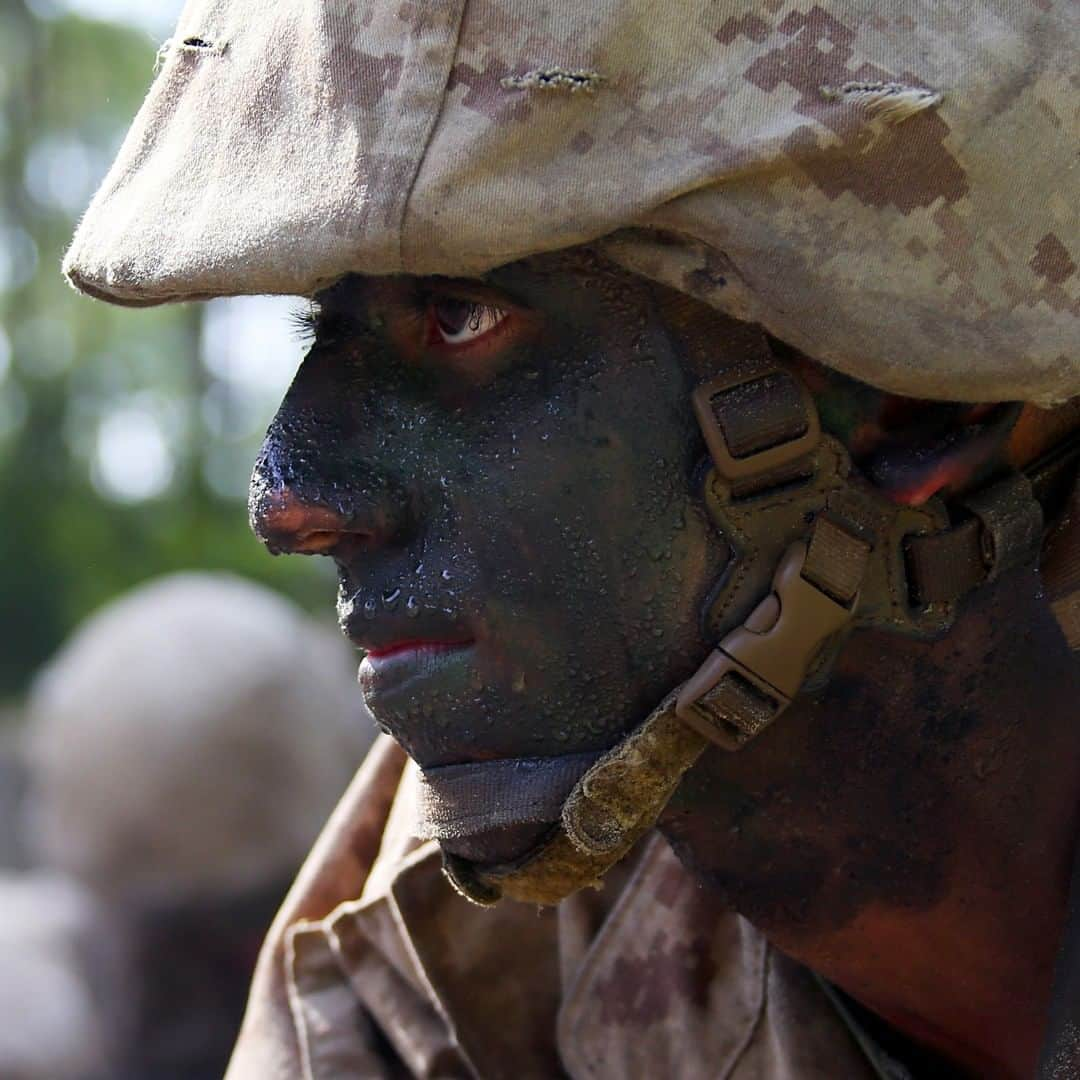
point(456, 322)
point(454, 328)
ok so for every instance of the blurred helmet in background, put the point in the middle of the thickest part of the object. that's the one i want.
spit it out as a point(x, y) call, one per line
point(54, 1022)
point(189, 741)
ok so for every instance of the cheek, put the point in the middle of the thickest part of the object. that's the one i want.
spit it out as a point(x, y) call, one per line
point(660, 559)
point(595, 557)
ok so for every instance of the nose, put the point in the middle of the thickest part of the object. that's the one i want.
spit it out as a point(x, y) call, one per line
point(285, 522)
point(288, 523)
point(291, 515)
point(327, 480)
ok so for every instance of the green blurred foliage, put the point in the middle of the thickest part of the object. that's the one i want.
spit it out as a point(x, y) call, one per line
point(68, 90)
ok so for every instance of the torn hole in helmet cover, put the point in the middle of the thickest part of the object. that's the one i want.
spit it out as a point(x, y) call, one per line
point(193, 45)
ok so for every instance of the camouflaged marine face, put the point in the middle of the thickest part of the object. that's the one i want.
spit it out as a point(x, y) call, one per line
point(521, 552)
point(890, 188)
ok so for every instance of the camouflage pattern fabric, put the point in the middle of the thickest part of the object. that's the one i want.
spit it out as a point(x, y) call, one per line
point(892, 188)
point(640, 980)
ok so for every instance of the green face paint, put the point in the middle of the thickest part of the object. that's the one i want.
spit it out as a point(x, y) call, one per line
point(524, 508)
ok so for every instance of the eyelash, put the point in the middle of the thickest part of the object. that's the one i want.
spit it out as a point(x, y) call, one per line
point(307, 323)
point(312, 324)
point(478, 311)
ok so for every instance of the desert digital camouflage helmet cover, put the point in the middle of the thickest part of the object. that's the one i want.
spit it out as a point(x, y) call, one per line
point(893, 190)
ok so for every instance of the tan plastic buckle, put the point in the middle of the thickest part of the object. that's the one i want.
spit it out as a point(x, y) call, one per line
point(772, 458)
point(766, 660)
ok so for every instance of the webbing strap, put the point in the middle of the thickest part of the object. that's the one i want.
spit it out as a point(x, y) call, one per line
point(944, 566)
point(760, 424)
point(1003, 530)
point(836, 561)
point(762, 430)
point(761, 413)
point(734, 710)
point(463, 800)
point(611, 807)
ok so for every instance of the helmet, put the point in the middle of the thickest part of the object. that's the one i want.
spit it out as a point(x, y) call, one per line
point(190, 740)
point(824, 173)
point(54, 1029)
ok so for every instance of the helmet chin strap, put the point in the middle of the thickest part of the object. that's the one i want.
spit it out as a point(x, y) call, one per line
point(815, 551)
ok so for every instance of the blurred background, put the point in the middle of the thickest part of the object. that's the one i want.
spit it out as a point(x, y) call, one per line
point(126, 437)
point(174, 725)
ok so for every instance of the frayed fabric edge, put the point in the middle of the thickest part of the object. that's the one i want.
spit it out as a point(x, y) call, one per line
point(554, 78)
point(889, 101)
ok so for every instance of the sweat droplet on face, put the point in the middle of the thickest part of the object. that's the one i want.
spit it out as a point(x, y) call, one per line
point(531, 565)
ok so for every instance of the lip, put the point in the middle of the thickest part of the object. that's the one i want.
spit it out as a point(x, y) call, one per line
point(399, 666)
point(385, 653)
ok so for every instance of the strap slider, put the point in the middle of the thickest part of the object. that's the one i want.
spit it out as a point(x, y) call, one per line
point(756, 422)
point(760, 666)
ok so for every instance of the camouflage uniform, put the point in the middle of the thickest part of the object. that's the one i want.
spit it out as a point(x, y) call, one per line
point(376, 967)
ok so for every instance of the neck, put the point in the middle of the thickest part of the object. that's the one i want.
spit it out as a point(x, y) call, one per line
point(970, 976)
point(970, 980)
point(909, 834)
